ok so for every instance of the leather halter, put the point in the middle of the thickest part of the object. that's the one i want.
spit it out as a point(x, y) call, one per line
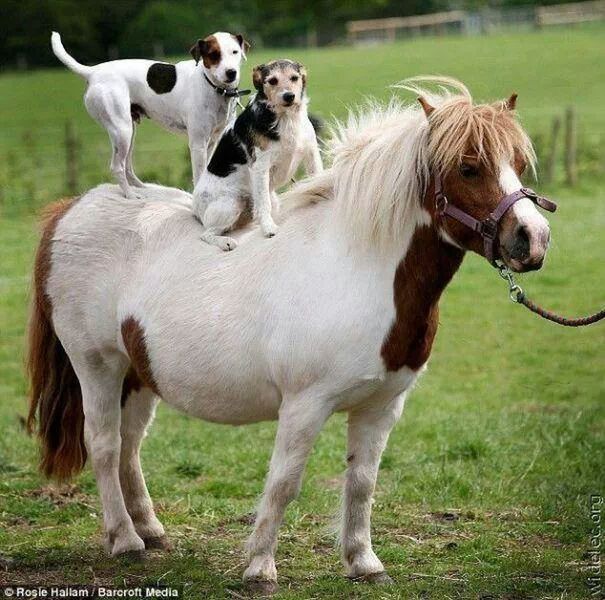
point(489, 227)
point(227, 93)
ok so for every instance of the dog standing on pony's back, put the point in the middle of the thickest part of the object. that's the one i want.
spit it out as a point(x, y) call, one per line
point(194, 97)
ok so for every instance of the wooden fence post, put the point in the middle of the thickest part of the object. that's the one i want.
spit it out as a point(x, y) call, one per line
point(71, 158)
point(551, 161)
point(571, 144)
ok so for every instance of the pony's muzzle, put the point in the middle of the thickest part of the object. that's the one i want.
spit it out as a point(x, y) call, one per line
point(525, 248)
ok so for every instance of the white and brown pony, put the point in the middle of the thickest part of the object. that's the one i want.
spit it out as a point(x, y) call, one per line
point(337, 313)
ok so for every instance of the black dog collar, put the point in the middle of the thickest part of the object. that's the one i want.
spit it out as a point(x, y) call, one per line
point(225, 92)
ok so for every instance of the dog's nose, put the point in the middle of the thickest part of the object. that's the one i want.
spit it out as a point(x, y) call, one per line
point(231, 74)
point(289, 97)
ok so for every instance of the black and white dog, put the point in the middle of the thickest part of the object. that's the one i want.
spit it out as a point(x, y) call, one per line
point(257, 155)
point(195, 97)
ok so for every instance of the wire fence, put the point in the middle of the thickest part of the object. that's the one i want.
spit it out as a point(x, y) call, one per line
point(53, 161)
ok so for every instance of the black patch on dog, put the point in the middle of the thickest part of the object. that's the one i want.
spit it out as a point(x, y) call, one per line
point(137, 112)
point(161, 77)
point(229, 153)
point(236, 145)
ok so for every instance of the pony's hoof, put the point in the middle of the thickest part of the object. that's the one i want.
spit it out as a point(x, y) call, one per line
point(260, 587)
point(381, 578)
point(133, 556)
point(157, 543)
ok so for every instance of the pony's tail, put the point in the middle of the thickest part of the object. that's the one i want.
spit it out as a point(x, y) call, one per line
point(55, 410)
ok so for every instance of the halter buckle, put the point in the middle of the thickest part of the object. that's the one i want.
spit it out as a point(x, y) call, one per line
point(489, 228)
point(440, 203)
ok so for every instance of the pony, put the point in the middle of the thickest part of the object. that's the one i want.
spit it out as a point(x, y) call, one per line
point(337, 314)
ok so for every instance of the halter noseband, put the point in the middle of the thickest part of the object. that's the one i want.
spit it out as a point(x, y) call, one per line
point(226, 92)
point(489, 227)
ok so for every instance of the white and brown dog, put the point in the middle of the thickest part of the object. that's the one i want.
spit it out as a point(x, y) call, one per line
point(257, 155)
point(194, 97)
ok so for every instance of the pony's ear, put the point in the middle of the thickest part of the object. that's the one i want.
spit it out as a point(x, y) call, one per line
point(257, 77)
point(426, 107)
point(198, 49)
point(511, 102)
point(244, 45)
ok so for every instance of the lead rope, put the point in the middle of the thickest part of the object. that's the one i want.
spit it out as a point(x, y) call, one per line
point(517, 295)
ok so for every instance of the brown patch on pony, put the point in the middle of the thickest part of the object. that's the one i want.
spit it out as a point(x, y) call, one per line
point(420, 278)
point(55, 394)
point(133, 336)
point(131, 383)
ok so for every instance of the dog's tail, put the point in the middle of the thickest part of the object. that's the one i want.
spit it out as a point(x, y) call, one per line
point(318, 124)
point(55, 411)
point(69, 61)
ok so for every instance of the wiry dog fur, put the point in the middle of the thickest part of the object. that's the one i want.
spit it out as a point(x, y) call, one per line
point(193, 97)
point(260, 153)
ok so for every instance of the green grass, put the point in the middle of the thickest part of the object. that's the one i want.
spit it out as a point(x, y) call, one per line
point(506, 431)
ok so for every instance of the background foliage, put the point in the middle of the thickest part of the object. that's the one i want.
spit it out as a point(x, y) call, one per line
point(135, 27)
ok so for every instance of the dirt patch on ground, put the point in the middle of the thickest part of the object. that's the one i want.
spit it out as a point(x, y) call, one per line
point(62, 495)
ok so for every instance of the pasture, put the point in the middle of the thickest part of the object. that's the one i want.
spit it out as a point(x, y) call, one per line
point(485, 485)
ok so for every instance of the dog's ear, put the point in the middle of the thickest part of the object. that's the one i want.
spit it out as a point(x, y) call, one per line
point(303, 73)
point(244, 45)
point(198, 50)
point(257, 77)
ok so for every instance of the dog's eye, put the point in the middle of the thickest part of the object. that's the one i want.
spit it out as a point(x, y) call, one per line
point(235, 51)
point(214, 56)
point(294, 78)
point(272, 81)
point(468, 171)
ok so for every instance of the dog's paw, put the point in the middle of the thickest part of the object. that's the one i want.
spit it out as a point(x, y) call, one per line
point(269, 228)
point(226, 243)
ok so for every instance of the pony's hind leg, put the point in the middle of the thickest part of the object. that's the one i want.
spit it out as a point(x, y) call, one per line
point(137, 414)
point(300, 420)
point(101, 392)
point(368, 432)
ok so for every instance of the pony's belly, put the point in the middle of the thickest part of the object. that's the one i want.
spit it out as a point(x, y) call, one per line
point(233, 407)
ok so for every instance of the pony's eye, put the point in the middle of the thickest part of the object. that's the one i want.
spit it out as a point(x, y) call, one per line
point(294, 78)
point(272, 81)
point(469, 171)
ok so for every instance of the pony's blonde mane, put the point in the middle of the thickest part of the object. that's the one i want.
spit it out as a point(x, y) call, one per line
point(383, 156)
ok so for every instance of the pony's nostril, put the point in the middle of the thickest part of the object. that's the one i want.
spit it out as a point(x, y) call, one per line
point(519, 248)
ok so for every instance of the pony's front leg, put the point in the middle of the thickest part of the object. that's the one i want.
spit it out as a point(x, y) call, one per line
point(301, 417)
point(368, 431)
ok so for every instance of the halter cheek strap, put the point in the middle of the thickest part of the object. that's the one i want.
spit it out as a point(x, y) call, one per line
point(488, 228)
point(226, 92)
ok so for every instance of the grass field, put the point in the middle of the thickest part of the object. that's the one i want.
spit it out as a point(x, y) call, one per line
point(484, 488)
